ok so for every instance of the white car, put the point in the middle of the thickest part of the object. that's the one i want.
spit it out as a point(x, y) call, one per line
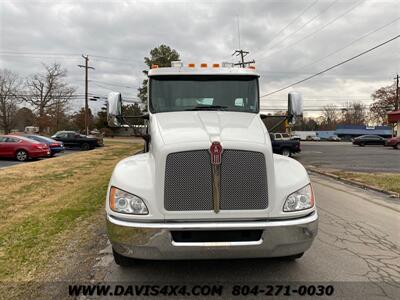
point(208, 184)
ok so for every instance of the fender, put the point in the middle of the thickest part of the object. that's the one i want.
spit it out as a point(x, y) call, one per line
point(135, 175)
point(290, 176)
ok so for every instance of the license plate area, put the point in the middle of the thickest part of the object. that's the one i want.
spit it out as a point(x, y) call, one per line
point(216, 236)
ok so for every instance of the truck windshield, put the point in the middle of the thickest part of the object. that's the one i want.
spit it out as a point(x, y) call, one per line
point(204, 92)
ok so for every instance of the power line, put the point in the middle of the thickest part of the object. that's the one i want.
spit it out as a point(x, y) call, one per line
point(324, 26)
point(351, 43)
point(332, 67)
point(112, 84)
point(305, 24)
point(294, 20)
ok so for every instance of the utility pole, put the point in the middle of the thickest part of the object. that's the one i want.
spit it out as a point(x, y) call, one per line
point(396, 104)
point(86, 66)
point(242, 54)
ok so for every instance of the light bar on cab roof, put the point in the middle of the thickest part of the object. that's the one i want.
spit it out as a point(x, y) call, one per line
point(180, 64)
point(227, 64)
point(176, 64)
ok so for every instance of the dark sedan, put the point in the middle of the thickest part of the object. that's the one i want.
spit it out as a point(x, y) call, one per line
point(73, 139)
point(369, 140)
point(55, 146)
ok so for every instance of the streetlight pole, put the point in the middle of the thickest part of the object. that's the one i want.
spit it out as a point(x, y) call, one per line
point(86, 66)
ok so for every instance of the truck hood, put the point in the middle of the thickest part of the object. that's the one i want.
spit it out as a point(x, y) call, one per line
point(199, 126)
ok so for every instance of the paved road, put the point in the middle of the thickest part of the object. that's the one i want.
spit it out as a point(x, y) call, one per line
point(345, 156)
point(7, 162)
point(358, 241)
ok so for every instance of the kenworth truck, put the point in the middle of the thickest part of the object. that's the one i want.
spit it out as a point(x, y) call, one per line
point(207, 185)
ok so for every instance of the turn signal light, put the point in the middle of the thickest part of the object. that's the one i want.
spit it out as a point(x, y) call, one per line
point(154, 66)
point(203, 65)
point(191, 65)
point(215, 65)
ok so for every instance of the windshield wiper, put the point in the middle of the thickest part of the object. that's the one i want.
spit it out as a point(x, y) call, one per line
point(208, 107)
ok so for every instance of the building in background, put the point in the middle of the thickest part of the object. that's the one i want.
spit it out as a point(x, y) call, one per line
point(347, 132)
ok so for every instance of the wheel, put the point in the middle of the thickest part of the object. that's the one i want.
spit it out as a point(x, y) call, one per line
point(85, 146)
point(293, 257)
point(397, 146)
point(361, 144)
point(21, 155)
point(121, 260)
point(286, 152)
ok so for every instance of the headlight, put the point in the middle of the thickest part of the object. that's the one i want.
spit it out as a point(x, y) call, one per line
point(123, 202)
point(300, 200)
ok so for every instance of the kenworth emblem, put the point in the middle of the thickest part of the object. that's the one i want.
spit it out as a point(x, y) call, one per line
point(216, 158)
point(216, 153)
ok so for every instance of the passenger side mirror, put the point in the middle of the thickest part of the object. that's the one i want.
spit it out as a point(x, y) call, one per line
point(114, 109)
point(295, 106)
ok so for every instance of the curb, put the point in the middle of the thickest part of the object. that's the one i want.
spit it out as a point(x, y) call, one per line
point(353, 182)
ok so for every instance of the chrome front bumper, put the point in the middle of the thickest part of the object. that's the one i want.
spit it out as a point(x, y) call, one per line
point(154, 240)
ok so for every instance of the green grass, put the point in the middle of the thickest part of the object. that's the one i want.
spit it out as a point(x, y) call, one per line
point(386, 181)
point(43, 202)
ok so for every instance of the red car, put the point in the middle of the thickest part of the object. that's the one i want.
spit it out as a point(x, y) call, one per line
point(22, 148)
point(394, 142)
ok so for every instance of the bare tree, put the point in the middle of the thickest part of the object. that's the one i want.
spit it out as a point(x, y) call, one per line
point(330, 117)
point(354, 114)
point(384, 101)
point(47, 91)
point(10, 85)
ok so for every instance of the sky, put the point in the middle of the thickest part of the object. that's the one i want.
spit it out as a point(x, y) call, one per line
point(289, 40)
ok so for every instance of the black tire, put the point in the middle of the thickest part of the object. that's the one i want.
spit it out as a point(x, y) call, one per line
point(397, 146)
point(85, 146)
point(361, 144)
point(121, 260)
point(21, 155)
point(286, 152)
point(293, 257)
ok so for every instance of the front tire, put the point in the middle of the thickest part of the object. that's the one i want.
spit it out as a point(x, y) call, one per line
point(121, 260)
point(21, 155)
point(286, 152)
point(397, 146)
point(85, 146)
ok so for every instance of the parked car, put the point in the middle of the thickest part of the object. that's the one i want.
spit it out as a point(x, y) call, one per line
point(334, 138)
point(22, 148)
point(393, 142)
point(73, 139)
point(284, 147)
point(369, 140)
point(55, 146)
point(312, 138)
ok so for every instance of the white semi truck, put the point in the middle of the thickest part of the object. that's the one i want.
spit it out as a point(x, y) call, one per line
point(207, 184)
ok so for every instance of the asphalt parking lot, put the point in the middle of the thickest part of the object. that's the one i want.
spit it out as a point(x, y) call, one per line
point(345, 156)
point(7, 162)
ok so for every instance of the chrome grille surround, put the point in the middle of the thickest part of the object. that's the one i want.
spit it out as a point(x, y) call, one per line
point(188, 181)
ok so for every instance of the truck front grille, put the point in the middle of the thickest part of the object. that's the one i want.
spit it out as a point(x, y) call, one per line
point(188, 181)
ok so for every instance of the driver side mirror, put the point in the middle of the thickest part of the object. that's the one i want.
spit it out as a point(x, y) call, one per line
point(295, 106)
point(114, 109)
